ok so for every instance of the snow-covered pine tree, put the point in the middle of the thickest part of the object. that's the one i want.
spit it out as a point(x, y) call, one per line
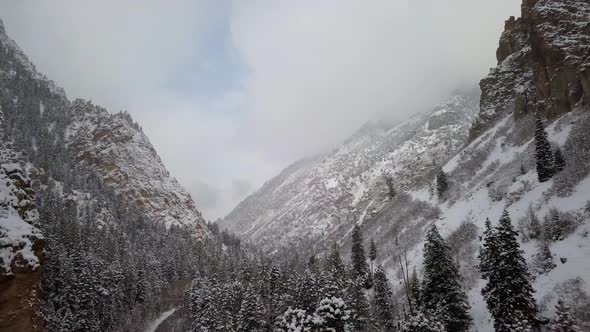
point(382, 308)
point(307, 292)
point(332, 315)
point(251, 316)
point(294, 320)
point(543, 152)
point(357, 255)
point(358, 304)
point(441, 284)
point(421, 322)
point(415, 289)
point(333, 278)
point(488, 250)
point(563, 320)
point(441, 183)
point(559, 159)
point(508, 293)
point(543, 259)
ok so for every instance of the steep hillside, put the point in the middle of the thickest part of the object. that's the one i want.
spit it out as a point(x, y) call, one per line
point(110, 144)
point(543, 60)
point(320, 199)
point(86, 209)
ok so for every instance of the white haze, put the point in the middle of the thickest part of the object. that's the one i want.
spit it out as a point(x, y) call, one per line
point(231, 92)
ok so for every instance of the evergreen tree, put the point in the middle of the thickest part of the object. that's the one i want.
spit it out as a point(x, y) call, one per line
point(358, 304)
point(543, 153)
point(332, 315)
point(421, 322)
point(294, 320)
point(508, 293)
point(415, 289)
point(488, 250)
point(543, 259)
point(307, 297)
point(333, 279)
point(563, 320)
point(359, 260)
point(441, 183)
point(382, 309)
point(441, 288)
point(559, 160)
point(251, 313)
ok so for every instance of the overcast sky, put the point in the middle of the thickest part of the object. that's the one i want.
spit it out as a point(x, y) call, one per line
point(231, 92)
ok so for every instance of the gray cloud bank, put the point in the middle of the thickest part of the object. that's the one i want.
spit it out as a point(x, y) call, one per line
point(231, 92)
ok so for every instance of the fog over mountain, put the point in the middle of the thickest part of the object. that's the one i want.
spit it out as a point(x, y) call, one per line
point(252, 86)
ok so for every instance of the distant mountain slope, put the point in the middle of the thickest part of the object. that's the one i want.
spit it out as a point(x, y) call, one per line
point(543, 67)
point(110, 144)
point(319, 199)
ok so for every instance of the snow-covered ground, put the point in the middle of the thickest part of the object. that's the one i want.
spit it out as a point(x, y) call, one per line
point(154, 325)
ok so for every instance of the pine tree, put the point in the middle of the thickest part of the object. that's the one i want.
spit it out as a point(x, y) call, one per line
point(421, 322)
point(488, 250)
point(333, 278)
point(359, 260)
point(251, 313)
point(307, 292)
point(358, 304)
point(382, 309)
point(441, 288)
point(332, 315)
point(441, 183)
point(508, 293)
point(294, 320)
point(543, 259)
point(563, 320)
point(415, 289)
point(543, 153)
point(559, 160)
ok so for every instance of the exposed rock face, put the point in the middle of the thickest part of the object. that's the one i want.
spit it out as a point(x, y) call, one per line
point(543, 62)
point(121, 153)
point(21, 252)
point(320, 199)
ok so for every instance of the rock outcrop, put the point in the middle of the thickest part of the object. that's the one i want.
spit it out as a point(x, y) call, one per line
point(543, 62)
point(21, 252)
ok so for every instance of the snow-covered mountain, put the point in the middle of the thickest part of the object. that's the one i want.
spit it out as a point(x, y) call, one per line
point(320, 199)
point(543, 66)
point(99, 166)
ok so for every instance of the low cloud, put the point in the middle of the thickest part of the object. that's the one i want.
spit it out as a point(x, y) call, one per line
point(230, 92)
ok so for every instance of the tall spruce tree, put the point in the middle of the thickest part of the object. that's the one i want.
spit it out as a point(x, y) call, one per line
point(383, 308)
point(508, 293)
point(333, 278)
point(441, 183)
point(415, 289)
point(543, 152)
point(307, 293)
point(358, 304)
point(359, 260)
point(488, 249)
point(441, 286)
point(563, 320)
point(559, 160)
point(250, 317)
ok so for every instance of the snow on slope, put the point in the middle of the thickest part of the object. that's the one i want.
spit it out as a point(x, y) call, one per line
point(322, 198)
